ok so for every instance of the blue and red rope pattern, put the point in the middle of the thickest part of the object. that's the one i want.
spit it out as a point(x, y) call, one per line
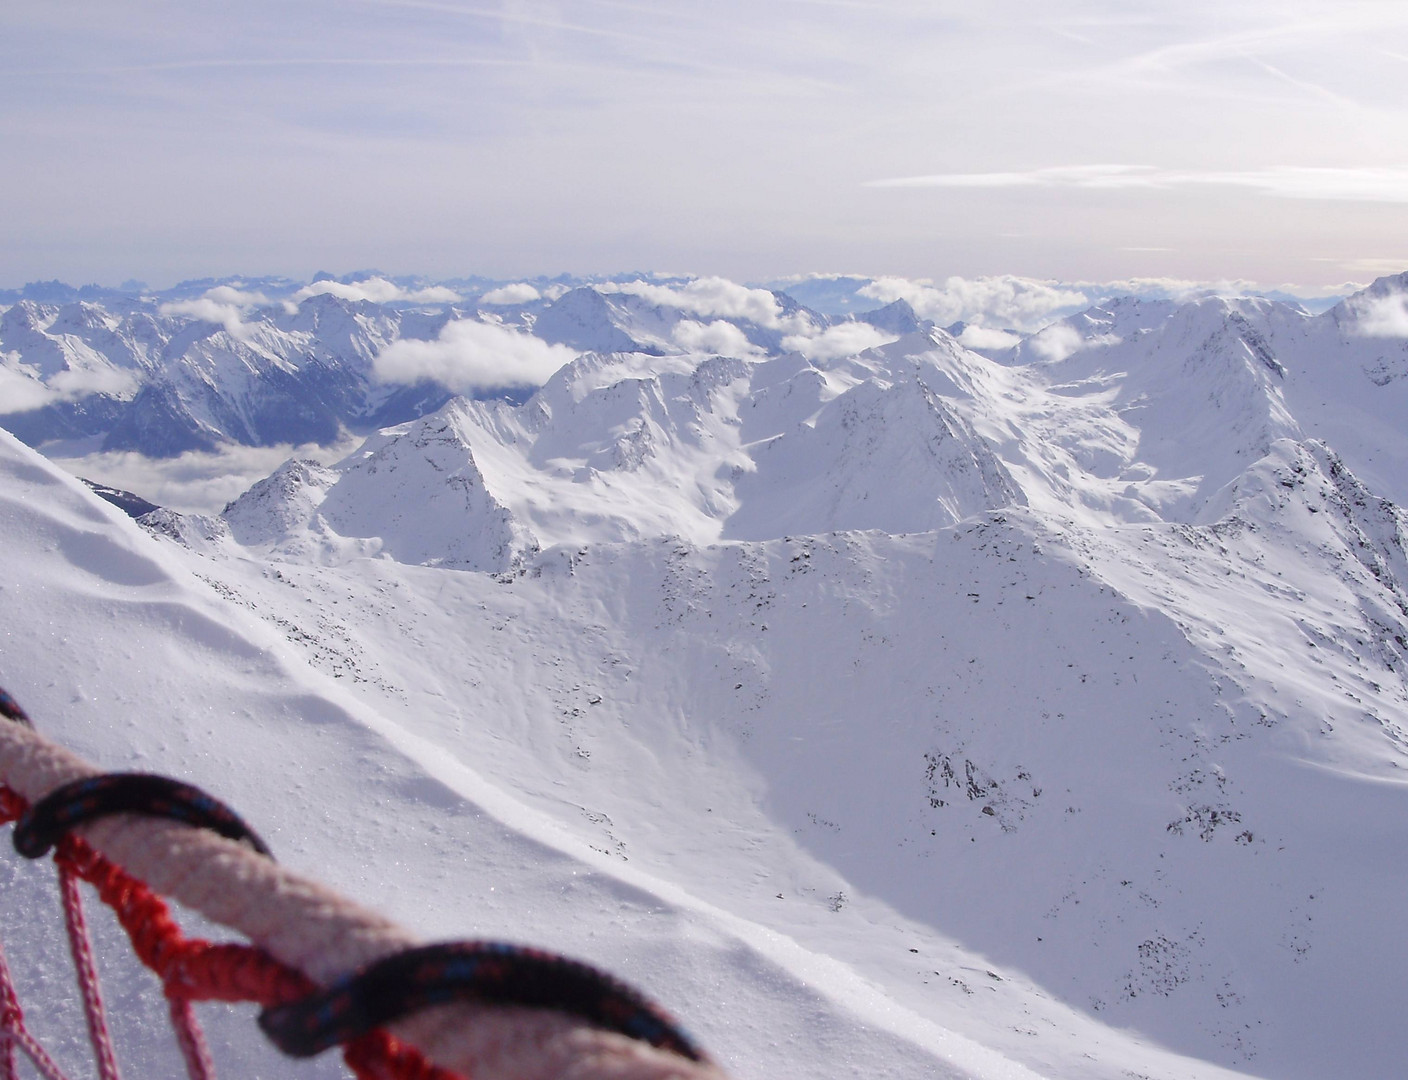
point(73, 804)
point(487, 973)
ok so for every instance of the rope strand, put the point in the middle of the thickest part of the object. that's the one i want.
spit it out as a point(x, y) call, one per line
point(191, 1039)
point(81, 946)
point(16, 1036)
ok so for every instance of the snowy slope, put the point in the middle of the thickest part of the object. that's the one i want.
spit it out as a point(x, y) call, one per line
point(1043, 747)
point(124, 655)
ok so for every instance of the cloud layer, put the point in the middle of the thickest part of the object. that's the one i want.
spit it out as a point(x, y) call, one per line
point(1287, 182)
point(1006, 301)
point(21, 391)
point(377, 290)
point(519, 293)
point(843, 339)
point(718, 337)
point(471, 356)
point(223, 305)
point(196, 482)
point(1382, 316)
point(714, 297)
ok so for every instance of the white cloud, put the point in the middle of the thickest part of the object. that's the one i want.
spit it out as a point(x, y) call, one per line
point(21, 392)
point(207, 309)
point(471, 355)
point(1057, 342)
point(228, 294)
point(1178, 290)
point(1025, 305)
point(195, 482)
point(377, 290)
point(718, 338)
point(1283, 181)
point(843, 339)
point(1007, 301)
point(1383, 316)
point(1077, 176)
point(519, 293)
point(73, 383)
point(1061, 340)
point(223, 305)
point(983, 337)
point(713, 297)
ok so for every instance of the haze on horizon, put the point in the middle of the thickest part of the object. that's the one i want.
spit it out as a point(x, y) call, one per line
point(1197, 140)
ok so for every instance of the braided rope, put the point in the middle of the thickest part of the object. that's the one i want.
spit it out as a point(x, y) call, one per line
point(15, 1036)
point(303, 935)
point(190, 970)
point(80, 944)
point(191, 1039)
point(13, 1033)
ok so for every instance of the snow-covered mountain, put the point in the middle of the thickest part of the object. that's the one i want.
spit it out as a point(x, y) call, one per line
point(899, 711)
point(165, 374)
point(164, 383)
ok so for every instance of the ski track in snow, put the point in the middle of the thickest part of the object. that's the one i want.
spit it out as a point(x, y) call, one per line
point(909, 713)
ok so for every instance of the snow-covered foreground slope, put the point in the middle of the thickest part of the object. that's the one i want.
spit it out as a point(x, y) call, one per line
point(870, 710)
point(470, 811)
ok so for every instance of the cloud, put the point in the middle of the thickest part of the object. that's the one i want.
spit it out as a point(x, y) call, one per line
point(1179, 290)
point(223, 305)
point(21, 392)
point(843, 339)
point(228, 294)
point(1382, 316)
point(73, 383)
point(1061, 340)
point(714, 297)
point(470, 355)
point(983, 337)
point(718, 338)
point(1282, 181)
point(1103, 177)
point(520, 293)
point(212, 311)
point(1057, 342)
point(1007, 301)
point(195, 482)
point(377, 290)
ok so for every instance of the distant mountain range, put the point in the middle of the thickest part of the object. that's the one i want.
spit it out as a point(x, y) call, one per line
point(269, 361)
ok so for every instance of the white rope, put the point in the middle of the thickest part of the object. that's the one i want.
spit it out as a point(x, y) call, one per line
point(309, 927)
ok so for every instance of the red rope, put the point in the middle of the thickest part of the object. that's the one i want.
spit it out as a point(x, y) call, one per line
point(15, 1036)
point(190, 1037)
point(194, 970)
point(81, 946)
point(379, 1055)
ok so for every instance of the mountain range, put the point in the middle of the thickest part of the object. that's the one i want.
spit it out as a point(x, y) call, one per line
point(884, 705)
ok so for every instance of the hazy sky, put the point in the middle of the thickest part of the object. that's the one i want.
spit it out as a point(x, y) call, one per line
point(1068, 139)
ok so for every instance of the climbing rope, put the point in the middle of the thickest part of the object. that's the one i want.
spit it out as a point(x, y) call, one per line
point(324, 972)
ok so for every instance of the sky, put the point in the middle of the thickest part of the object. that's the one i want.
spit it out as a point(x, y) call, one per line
point(1085, 140)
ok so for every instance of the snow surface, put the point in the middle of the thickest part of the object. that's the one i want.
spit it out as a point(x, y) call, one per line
point(911, 712)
